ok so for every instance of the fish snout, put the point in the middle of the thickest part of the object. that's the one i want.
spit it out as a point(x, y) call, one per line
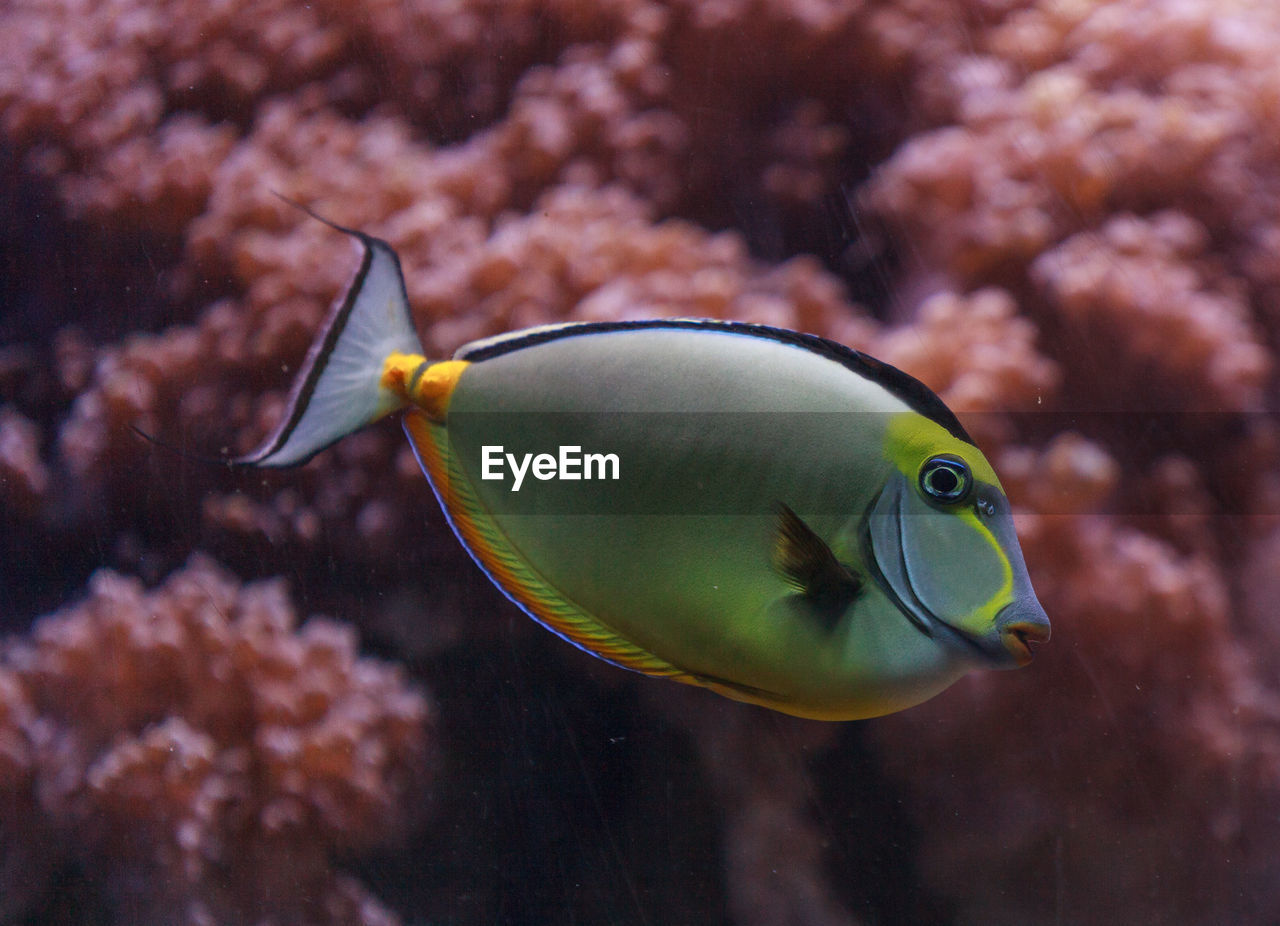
point(1022, 625)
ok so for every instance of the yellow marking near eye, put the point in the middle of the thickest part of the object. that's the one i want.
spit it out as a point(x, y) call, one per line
point(985, 616)
point(912, 438)
point(427, 385)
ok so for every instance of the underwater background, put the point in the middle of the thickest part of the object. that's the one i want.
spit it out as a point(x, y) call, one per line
point(290, 698)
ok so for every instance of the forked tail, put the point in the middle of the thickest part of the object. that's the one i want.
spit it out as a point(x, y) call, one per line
point(342, 386)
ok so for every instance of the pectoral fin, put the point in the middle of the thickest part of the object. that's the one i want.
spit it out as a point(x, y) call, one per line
point(807, 564)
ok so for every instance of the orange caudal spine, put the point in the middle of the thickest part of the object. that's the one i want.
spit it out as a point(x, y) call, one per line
point(422, 383)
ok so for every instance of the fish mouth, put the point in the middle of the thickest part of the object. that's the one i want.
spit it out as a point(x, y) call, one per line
point(1021, 633)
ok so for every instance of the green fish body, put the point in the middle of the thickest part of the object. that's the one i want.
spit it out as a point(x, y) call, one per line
point(764, 513)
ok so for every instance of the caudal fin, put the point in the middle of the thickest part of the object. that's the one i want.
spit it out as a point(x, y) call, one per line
point(340, 388)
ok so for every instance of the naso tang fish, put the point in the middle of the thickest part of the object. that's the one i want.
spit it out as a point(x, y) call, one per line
point(768, 514)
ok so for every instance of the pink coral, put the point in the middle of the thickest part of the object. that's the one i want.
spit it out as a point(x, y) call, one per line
point(979, 355)
point(1064, 214)
point(24, 478)
point(88, 87)
point(760, 783)
point(194, 741)
point(1148, 288)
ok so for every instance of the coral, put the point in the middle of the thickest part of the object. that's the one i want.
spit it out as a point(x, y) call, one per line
point(1050, 118)
point(978, 354)
point(1061, 216)
point(24, 478)
point(1181, 332)
point(89, 87)
point(202, 755)
point(760, 783)
point(25, 861)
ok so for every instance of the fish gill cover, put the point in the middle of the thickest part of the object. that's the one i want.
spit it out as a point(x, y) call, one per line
point(1064, 218)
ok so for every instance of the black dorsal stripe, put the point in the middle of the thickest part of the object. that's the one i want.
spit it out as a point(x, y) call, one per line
point(915, 394)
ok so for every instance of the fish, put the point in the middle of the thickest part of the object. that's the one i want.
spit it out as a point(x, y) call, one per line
point(764, 513)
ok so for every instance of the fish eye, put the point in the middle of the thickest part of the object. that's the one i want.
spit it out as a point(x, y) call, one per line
point(946, 479)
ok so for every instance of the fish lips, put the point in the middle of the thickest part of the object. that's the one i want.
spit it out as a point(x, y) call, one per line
point(1019, 626)
point(1022, 626)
